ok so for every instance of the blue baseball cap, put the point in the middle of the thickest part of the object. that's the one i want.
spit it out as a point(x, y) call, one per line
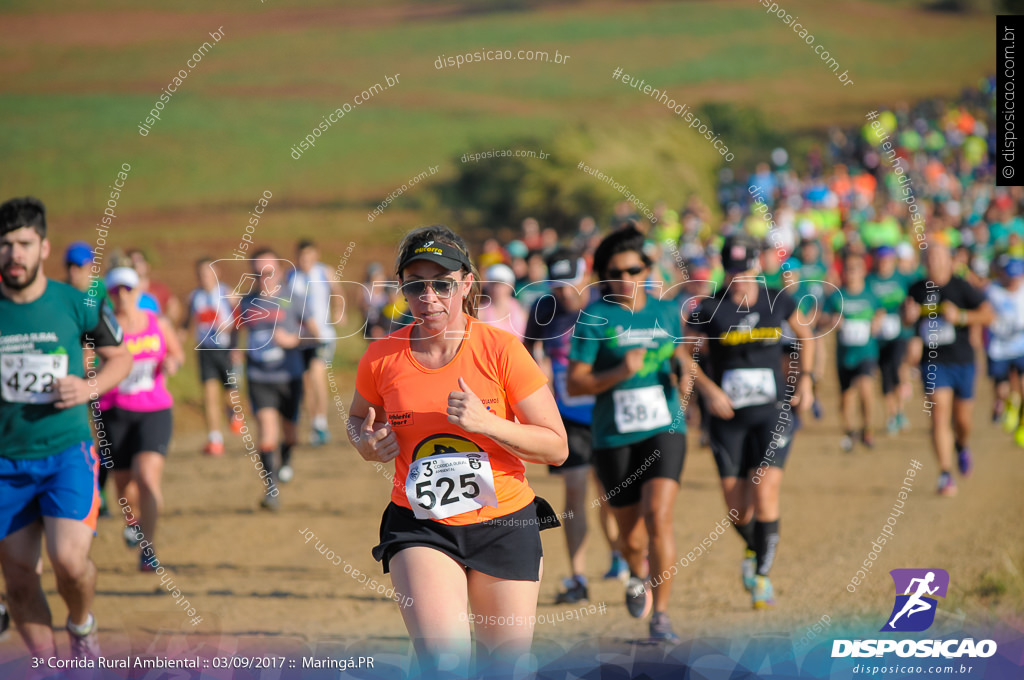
point(885, 251)
point(1014, 267)
point(78, 253)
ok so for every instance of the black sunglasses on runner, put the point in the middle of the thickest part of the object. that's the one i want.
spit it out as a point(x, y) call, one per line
point(632, 271)
point(443, 288)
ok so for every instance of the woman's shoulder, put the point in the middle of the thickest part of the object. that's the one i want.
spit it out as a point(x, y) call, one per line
point(491, 340)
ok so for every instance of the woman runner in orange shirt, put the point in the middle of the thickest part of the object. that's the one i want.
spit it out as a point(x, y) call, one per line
point(458, 406)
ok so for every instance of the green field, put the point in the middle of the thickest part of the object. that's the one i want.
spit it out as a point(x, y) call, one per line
point(78, 81)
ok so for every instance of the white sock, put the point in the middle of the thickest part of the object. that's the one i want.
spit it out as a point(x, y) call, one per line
point(84, 629)
point(216, 437)
point(320, 422)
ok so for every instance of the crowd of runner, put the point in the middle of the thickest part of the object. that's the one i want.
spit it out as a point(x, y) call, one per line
point(886, 260)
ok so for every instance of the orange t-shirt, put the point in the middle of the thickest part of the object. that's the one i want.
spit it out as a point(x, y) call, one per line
point(495, 365)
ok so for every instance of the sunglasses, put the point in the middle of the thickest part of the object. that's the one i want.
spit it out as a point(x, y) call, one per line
point(632, 271)
point(443, 288)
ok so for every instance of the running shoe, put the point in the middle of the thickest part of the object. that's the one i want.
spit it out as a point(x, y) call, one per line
point(320, 436)
point(964, 461)
point(748, 569)
point(947, 485)
point(214, 449)
point(1011, 419)
point(661, 629)
point(84, 646)
point(638, 598)
point(846, 443)
point(5, 617)
point(132, 535)
point(892, 426)
point(763, 595)
point(904, 421)
point(285, 474)
point(867, 439)
point(1018, 438)
point(618, 569)
point(147, 564)
point(575, 591)
point(237, 422)
point(270, 503)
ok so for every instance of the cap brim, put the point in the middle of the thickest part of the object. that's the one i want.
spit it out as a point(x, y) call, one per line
point(448, 263)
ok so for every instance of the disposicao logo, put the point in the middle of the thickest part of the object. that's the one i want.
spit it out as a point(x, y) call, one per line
point(914, 611)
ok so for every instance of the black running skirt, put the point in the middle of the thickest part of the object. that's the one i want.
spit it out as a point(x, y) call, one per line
point(506, 547)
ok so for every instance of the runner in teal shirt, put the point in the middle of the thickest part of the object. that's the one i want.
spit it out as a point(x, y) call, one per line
point(621, 352)
point(856, 314)
point(604, 334)
point(890, 287)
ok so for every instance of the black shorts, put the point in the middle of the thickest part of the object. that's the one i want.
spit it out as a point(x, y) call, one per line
point(581, 452)
point(623, 470)
point(756, 436)
point(508, 547)
point(890, 356)
point(848, 375)
point(324, 352)
point(214, 364)
point(284, 397)
point(132, 432)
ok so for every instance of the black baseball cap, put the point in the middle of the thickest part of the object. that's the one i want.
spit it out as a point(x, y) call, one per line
point(740, 253)
point(564, 265)
point(448, 256)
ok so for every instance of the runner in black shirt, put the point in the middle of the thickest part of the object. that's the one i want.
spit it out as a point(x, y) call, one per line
point(750, 399)
point(943, 307)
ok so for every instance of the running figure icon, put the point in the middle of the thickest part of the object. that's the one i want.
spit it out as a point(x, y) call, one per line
point(915, 603)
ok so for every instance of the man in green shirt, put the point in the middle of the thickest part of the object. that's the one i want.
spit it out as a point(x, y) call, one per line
point(856, 314)
point(48, 464)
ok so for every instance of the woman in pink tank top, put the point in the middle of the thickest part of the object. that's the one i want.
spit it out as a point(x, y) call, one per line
point(137, 413)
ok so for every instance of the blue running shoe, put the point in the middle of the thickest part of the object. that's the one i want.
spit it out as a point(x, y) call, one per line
point(964, 461)
point(575, 591)
point(148, 564)
point(947, 485)
point(661, 629)
point(618, 569)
